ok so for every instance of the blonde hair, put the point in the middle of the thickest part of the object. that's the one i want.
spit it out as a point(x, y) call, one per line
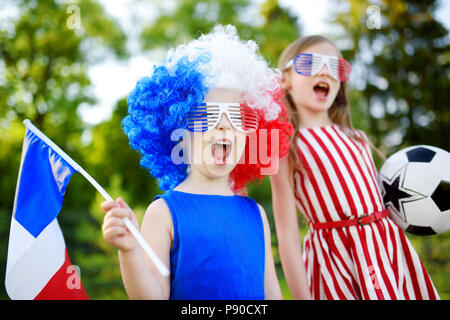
point(339, 111)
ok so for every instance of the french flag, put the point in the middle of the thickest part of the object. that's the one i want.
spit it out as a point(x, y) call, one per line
point(38, 265)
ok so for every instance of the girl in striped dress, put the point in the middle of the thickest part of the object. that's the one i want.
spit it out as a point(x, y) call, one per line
point(352, 250)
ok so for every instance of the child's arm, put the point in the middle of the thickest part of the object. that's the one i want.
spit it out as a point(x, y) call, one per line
point(271, 286)
point(286, 224)
point(140, 277)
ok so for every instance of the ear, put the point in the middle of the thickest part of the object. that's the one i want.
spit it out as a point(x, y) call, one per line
point(285, 81)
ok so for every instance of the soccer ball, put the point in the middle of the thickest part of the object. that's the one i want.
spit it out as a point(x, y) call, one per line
point(415, 184)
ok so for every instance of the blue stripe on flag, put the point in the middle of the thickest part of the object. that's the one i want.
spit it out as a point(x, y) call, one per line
point(42, 183)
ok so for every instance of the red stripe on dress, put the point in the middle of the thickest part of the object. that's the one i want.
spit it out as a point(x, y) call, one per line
point(306, 212)
point(344, 239)
point(386, 279)
point(328, 183)
point(316, 278)
point(337, 256)
point(369, 263)
point(361, 171)
point(350, 172)
point(307, 251)
point(345, 242)
point(326, 290)
point(316, 189)
point(368, 152)
point(430, 288)
point(374, 170)
point(340, 177)
point(362, 280)
point(382, 228)
point(371, 175)
point(405, 289)
point(394, 248)
point(329, 268)
point(383, 235)
point(410, 265)
point(311, 212)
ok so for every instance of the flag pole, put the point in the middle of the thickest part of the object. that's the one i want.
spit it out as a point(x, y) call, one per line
point(136, 234)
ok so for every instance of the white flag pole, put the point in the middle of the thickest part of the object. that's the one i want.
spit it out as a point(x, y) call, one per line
point(137, 235)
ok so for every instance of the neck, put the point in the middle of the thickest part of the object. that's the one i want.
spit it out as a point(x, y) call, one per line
point(199, 183)
point(308, 118)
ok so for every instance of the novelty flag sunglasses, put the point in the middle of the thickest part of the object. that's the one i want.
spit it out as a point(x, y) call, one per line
point(206, 116)
point(309, 64)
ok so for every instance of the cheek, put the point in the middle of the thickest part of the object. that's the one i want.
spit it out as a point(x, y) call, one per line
point(334, 90)
point(240, 144)
point(300, 88)
point(196, 147)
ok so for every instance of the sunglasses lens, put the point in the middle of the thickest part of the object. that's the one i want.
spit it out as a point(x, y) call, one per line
point(202, 118)
point(243, 118)
point(309, 64)
point(344, 70)
point(303, 64)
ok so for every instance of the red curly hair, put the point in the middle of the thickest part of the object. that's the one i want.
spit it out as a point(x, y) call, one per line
point(247, 171)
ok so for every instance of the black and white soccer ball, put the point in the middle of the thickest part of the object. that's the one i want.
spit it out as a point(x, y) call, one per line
point(415, 184)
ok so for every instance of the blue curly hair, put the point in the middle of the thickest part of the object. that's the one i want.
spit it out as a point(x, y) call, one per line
point(156, 107)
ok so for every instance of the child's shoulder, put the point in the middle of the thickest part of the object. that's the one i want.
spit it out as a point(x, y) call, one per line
point(158, 205)
point(158, 210)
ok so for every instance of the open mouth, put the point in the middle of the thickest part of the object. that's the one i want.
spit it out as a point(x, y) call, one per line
point(321, 89)
point(220, 150)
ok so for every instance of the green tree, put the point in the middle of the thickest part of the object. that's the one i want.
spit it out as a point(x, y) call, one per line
point(274, 27)
point(406, 65)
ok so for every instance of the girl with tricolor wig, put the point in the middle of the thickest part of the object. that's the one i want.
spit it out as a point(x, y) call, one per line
point(206, 122)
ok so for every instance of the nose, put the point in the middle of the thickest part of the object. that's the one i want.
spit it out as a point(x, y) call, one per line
point(324, 71)
point(224, 123)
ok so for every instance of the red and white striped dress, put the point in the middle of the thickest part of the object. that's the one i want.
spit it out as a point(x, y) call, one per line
point(371, 261)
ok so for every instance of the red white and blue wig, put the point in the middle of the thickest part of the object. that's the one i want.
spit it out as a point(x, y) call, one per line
point(159, 103)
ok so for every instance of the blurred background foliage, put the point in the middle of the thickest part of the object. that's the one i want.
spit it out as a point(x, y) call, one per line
point(399, 96)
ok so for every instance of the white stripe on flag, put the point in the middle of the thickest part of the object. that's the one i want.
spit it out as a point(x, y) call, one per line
point(20, 240)
point(35, 267)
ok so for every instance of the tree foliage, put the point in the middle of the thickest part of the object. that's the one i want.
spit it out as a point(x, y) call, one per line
point(275, 28)
point(405, 77)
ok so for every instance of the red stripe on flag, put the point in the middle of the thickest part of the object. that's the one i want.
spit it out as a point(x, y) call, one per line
point(64, 285)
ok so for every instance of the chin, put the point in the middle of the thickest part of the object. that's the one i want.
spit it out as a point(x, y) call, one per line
point(318, 106)
point(214, 172)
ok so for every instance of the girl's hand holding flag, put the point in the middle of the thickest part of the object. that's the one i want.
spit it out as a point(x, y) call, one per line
point(114, 229)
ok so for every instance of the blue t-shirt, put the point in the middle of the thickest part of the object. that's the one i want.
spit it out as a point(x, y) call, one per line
point(218, 250)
